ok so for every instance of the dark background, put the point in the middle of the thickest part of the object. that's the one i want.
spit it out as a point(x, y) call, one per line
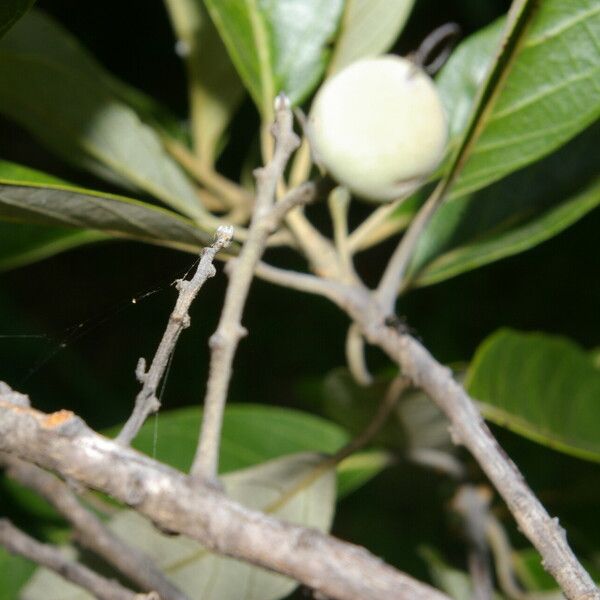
point(82, 300)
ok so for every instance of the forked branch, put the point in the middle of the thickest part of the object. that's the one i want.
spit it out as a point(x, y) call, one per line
point(224, 342)
point(90, 531)
point(63, 443)
point(18, 542)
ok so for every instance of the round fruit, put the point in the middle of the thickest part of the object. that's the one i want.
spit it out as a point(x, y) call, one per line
point(379, 127)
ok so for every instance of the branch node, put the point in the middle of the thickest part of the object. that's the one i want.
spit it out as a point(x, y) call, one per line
point(455, 436)
point(223, 237)
point(135, 493)
point(140, 370)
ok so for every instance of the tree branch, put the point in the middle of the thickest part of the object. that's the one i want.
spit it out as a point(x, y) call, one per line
point(394, 273)
point(17, 542)
point(469, 429)
point(472, 504)
point(223, 343)
point(62, 442)
point(147, 401)
point(90, 531)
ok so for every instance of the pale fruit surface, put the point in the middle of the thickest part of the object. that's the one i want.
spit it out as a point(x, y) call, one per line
point(379, 127)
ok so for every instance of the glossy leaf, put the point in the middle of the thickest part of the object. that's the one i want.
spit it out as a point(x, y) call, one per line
point(542, 96)
point(510, 216)
point(214, 87)
point(206, 576)
point(368, 28)
point(277, 45)
point(11, 11)
point(55, 90)
point(25, 197)
point(463, 74)
point(543, 387)
point(512, 102)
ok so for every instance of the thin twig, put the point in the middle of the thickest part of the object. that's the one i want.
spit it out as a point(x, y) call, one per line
point(62, 442)
point(147, 401)
point(339, 203)
point(303, 282)
point(390, 400)
point(231, 193)
point(90, 531)
point(18, 542)
point(503, 559)
point(396, 388)
point(224, 341)
point(472, 504)
point(394, 273)
point(469, 429)
point(378, 226)
point(355, 356)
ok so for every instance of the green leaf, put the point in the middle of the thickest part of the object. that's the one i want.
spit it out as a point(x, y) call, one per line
point(253, 434)
point(206, 576)
point(534, 578)
point(20, 571)
point(214, 87)
point(368, 28)
point(456, 583)
point(416, 422)
point(277, 45)
point(359, 468)
point(55, 90)
point(25, 197)
point(460, 78)
point(513, 95)
point(537, 96)
point(543, 387)
point(11, 11)
point(24, 244)
point(511, 216)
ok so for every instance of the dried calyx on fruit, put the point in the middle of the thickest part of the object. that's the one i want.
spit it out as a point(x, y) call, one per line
point(378, 127)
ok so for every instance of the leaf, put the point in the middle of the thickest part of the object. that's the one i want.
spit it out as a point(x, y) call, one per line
point(214, 88)
point(277, 45)
point(510, 216)
point(24, 244)
point(206, 576)
point(20, 571)
point(540, 96)
point(543, 387)
point(359, 468)
point(11, 11)
point(56, 91)
point(416, 422)
point(457, 584)
point(513, 95)
point(253, 434)
point(25, 197)
point(534, 578)
point(460, 78)
point(368, 28)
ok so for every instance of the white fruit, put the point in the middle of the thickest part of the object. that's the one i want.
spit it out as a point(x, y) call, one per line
point(379, 127)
